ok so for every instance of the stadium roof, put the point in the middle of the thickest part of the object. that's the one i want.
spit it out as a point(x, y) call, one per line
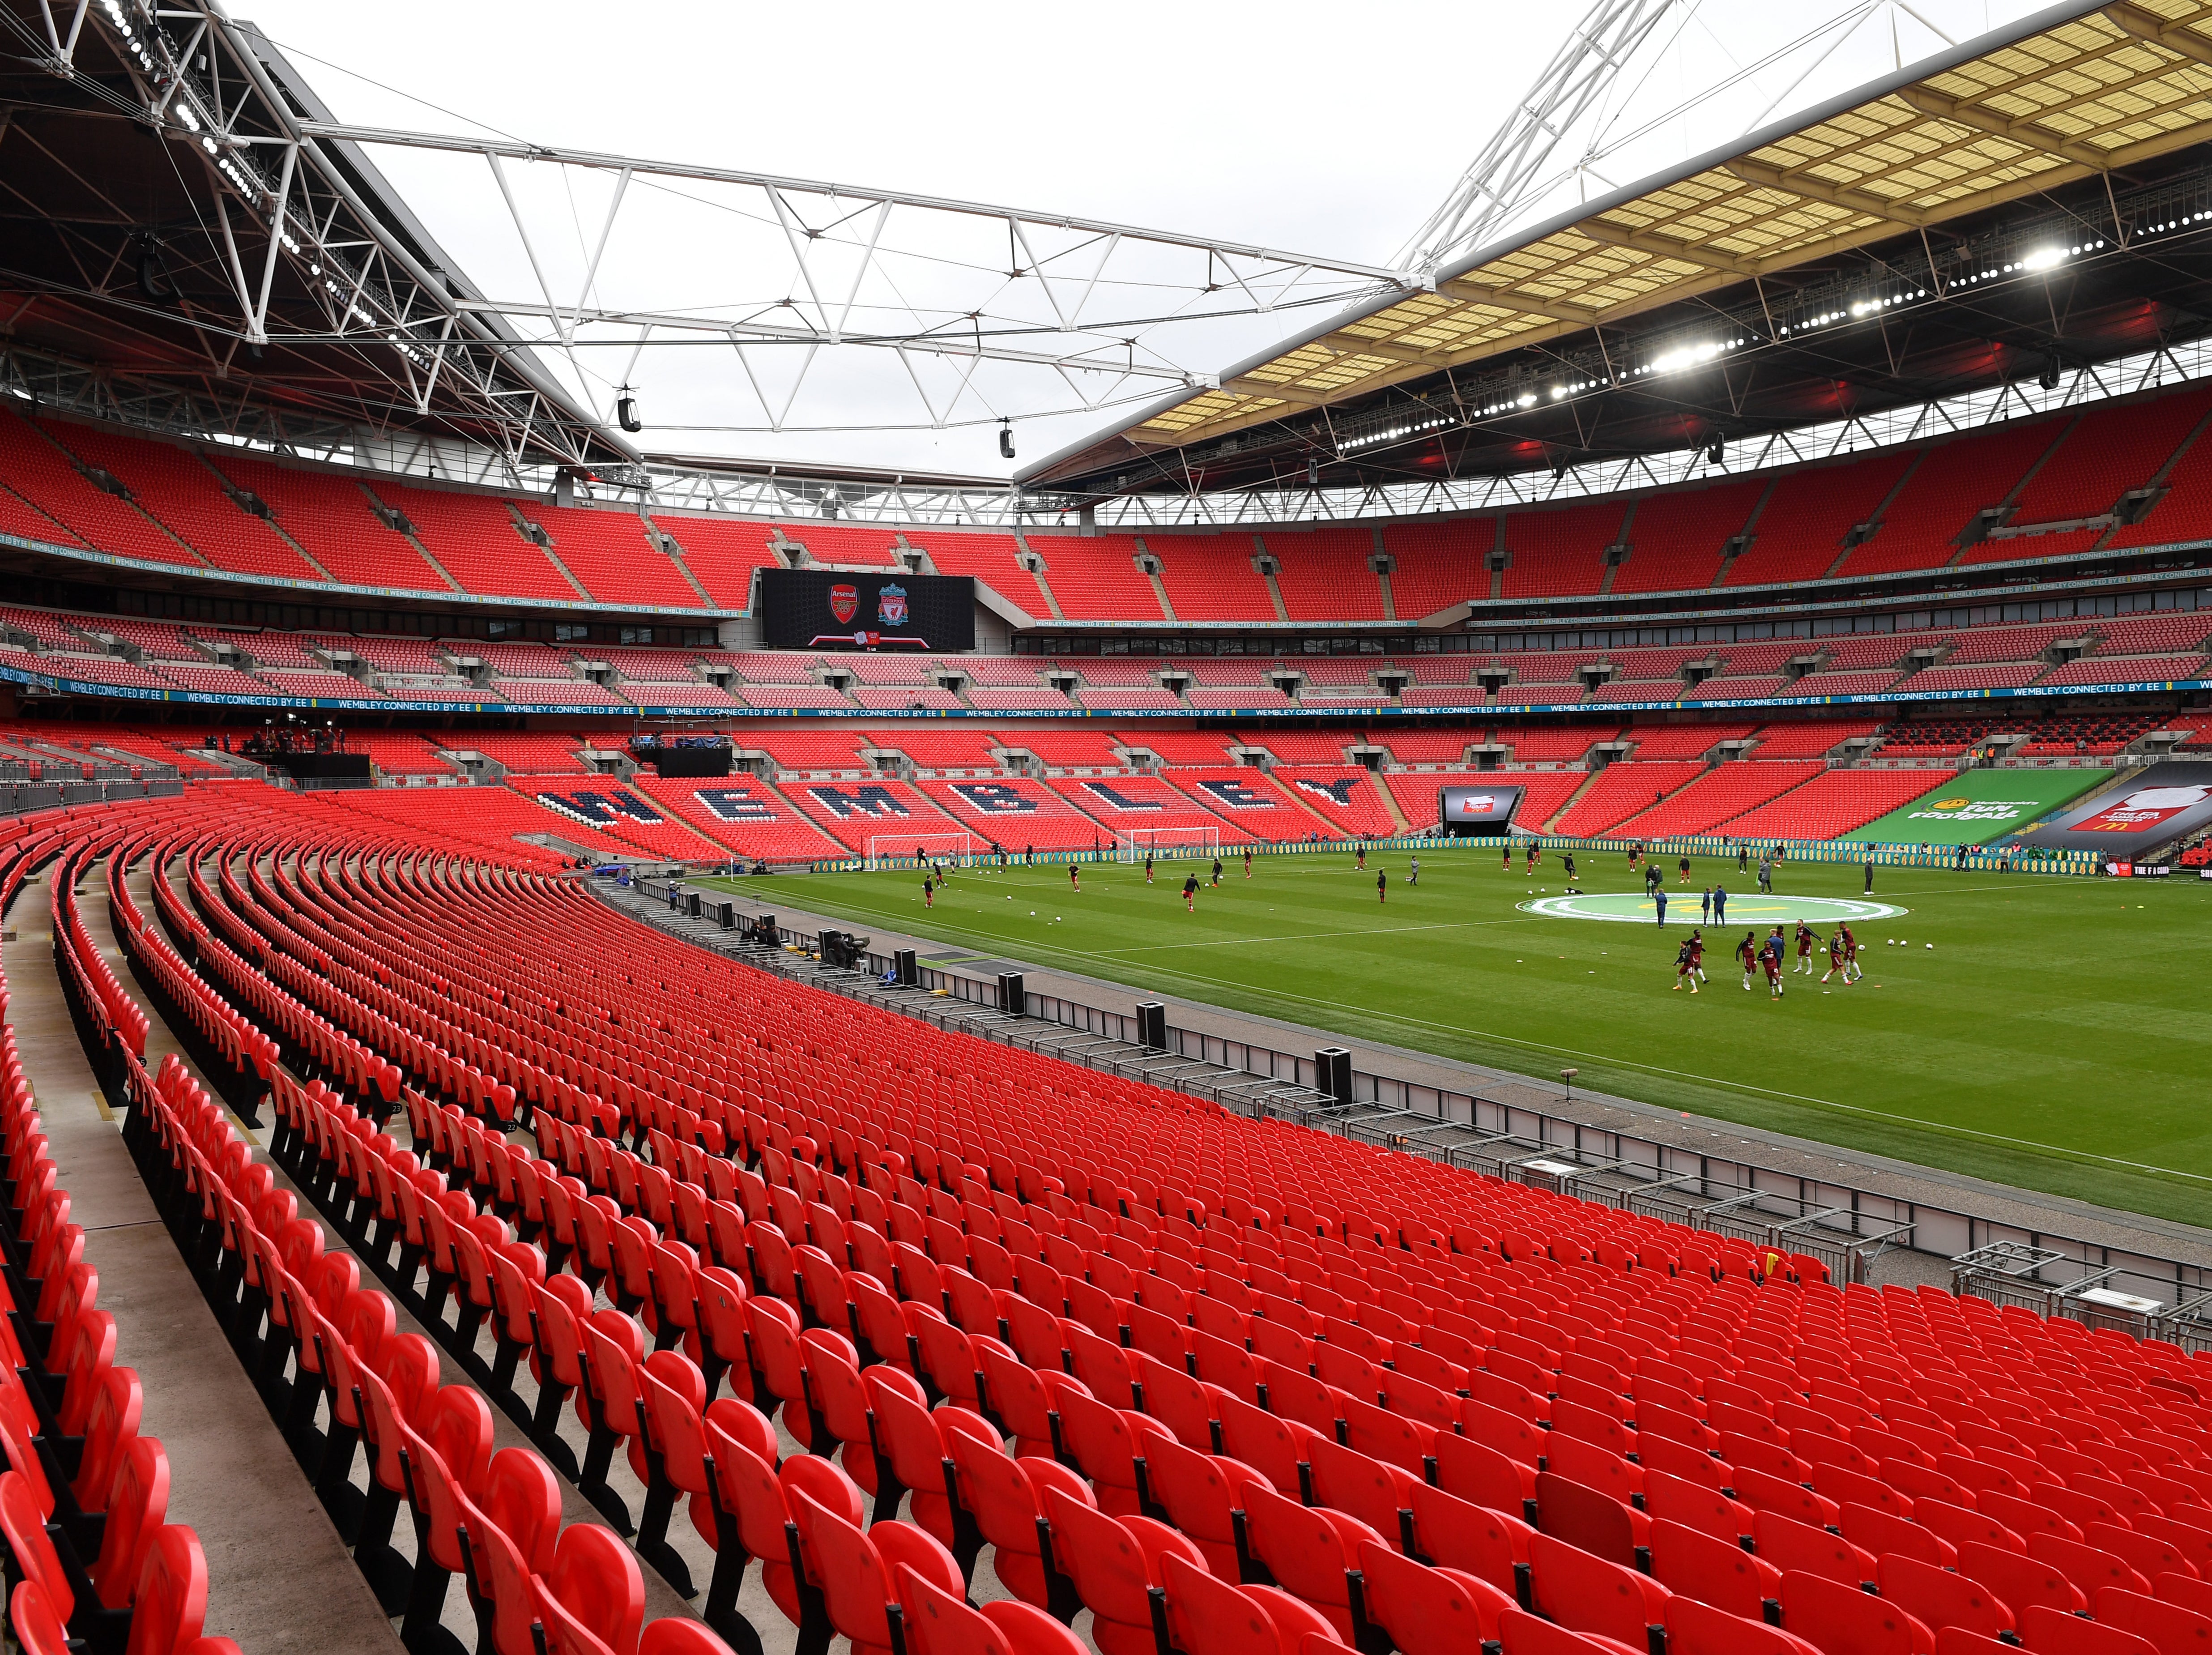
point(1913, 190)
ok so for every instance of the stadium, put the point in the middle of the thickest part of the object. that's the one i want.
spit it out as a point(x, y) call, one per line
point(1108, 941)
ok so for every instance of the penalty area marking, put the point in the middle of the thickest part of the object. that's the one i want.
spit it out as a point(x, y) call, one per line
point(1628, 907)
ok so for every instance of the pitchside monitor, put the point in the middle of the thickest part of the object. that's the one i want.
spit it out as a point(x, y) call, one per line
point(830, 609)
point(1479, 812)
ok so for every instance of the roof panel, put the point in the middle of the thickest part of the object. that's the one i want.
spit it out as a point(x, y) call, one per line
point(2016, 116)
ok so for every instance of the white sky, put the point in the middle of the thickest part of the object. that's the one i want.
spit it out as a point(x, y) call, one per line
point(1323, 129)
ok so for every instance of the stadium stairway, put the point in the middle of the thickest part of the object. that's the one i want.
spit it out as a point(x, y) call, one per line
point(278, 1577)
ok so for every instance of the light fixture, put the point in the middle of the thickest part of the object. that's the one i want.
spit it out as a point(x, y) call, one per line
point(1005, 439)
point(2042, 257)
point(626, 411)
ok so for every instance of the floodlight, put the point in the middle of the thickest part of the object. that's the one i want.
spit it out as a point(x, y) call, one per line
point(2042, 257)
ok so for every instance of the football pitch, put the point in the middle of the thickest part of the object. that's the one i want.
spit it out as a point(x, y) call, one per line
point(2058, 1035)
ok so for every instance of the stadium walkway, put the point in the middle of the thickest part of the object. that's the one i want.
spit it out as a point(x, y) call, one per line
point(2029, 1209)
point(279, 1577)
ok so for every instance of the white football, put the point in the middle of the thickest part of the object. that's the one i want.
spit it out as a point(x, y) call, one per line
point(1931, 945)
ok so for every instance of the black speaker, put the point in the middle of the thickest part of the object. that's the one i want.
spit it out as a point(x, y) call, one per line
point(1152, 1024)
point(1333, 1073)
point(698, 905)
point(909, 975)
point(833, 948)
point(729, 916)
point(1013, 994)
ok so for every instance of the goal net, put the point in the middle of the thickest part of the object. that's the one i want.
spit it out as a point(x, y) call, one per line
point(912, 850)
point(1168, 845)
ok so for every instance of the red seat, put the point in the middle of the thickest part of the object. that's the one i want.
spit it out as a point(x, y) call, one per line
point(1210, 1616)
point(857, 1571)
point(939, 1623)
point(1938, 1597)
point(1694, 1564)
point(1115, 1564)
point(1841, 1620)
point(1589, 1594)
point(1698, 1629)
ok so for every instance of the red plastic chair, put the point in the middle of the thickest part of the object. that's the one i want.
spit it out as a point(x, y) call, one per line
point(1005, 1496)
point(1308, 1550)
point(38, 1630)
point(1113, 1564)
point(1424, 1609)
point(1690, 1563)
point(2051, 1632)
point(856, 1571)
point(596, 1579)
point(1587, 1594)
point(1841, 1620)
point(1208, 1616)
point(939, 1623)
point(171, 1602)
point(1700, 1628)
point(137, 1504)
point(1524, 1634)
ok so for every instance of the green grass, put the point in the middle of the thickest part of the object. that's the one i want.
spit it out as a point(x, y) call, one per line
point(2058, 1037)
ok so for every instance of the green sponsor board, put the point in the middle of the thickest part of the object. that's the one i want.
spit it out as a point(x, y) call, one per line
point(1974, 806)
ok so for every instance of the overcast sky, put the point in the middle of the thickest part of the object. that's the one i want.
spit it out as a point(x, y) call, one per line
point(1329, 130)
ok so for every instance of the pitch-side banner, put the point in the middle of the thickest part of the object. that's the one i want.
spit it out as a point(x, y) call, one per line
point(2151, 808)
point(1477, 810)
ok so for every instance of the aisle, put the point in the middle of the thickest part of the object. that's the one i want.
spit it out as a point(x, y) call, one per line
point(278, 1577)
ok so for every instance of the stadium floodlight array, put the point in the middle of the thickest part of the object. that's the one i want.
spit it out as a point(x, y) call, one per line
point(1167, 843)
point(893, 849)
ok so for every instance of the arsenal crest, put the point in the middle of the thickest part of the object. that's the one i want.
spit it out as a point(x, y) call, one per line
point(890, 605)
point(845, 602)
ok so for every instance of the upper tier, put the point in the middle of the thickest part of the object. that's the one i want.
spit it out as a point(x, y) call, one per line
point(2057, 486)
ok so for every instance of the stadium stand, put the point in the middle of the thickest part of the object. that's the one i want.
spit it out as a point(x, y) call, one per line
point(1326, 573)
point(1138, 804)
point(1953, 480)
point(1622, 790)
point(994, 559)
point(1841, 683)
point(40, 473)
point(1322, 747)
point(1064, 749)
point(2010, 642)
point(721, 554)
point(895, 698)
point(623, 813)
point(1177, 747)
point(1248, 797)
point(1997, 676)
point(1560, 552)
point(1109, 700)
point(1809, 739)
point(1734, 689)
point(609, 552)
point(1347, 795)
point(1721, 794)
point(808, 750)
point(2131, 634)
point(1538, 747)
point(172, 487)
point(1772, 1347)
point(813, 696)
point(2126, 669)
point(763, 667)
point(399, 753)
point(476, 540)
point(1678, 536)
point(1830, 806)
point(1014, 811)
point(854, 811)
point(1095, 578)
point(1204, 700)
point(1683, 740)
point(741, 812)
point(939, 748)
point(1210, 577)
point(522, 753)
point(995, 672)
point(1019, 701)
point(1801, 530)
point(328, 517)
point(1437, 564)
point(2113, 448)
point(864, 547)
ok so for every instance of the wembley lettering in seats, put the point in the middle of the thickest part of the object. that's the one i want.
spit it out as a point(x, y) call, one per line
point(1337, 792)
point(995, 798)
point(867, 800)
point(1108, 794)
point(597, 809)
point(1237, 796)
point(736, 805)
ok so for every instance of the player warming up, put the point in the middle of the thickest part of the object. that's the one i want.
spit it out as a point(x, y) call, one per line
point(1769, 956)
point(1748, 952)
point(1413, 872)
point(928, 891)
point(1074, 877)
point(1852, 969)
point(1685, 965)
point(1805, 942)
point(1837, 961)
point(1217, 870)
point(1190, 893)
point(1505, 857)
point(1382, 887)
point(1363, 859)
point(1247, 862)
point(1698, 953)
point(1148, 868)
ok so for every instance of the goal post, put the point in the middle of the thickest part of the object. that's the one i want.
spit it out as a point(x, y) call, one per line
point(1168, 844)
point(905, 850)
